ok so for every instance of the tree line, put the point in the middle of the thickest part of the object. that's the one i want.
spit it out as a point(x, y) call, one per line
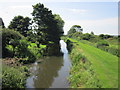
point(27, 39)
point(45, 28)
point(108, 43)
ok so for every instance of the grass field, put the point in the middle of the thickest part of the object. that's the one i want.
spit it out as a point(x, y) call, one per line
point(104, 64)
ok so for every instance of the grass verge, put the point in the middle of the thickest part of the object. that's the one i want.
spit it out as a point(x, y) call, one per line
point(103, 64)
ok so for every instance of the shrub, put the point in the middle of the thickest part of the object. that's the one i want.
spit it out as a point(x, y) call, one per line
point(7, 36)
point(22, 51)
point(12, 78)
point(69, 45)
point(102, 43)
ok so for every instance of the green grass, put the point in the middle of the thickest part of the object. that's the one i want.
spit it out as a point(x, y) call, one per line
point(104, 64)
point(81, 73)
point(37, 51)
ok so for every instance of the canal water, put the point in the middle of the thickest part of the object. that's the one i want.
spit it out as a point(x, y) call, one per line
point(52, 72)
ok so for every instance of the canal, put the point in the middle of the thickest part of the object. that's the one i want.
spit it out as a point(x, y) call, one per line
point(52, 72)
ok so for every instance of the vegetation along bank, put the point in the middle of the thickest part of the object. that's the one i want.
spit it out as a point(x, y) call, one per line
point(92, 67)
point(26, 40)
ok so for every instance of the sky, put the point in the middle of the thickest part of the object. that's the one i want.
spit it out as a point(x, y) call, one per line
point(99, 16)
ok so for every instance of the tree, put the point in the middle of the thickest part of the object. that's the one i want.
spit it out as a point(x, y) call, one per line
point(86, 36)
point(102, 36)
point(20, 24)
point(75, 28)
point(60, 23)
point(92, 33)
point(48, 27)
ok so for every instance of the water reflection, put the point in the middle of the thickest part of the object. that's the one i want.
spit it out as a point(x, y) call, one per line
point(52, 72)
point(63, 47)
point(45, 72)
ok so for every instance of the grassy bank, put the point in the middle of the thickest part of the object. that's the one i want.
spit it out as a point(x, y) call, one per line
point(103, 65)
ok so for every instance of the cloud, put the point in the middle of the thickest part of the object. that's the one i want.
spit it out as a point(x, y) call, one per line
point(10, 11)
point(106, 26)
point(78, 10)
point(20, 7)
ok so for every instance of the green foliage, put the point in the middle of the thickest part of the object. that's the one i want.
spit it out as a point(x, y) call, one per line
point(75, 28)
point(102, 36)
point(109, 44)
point(60, 23)
point(15, 45)
point(87, 36)
point(20, 24)
point(12, 78)
point(81, 73)
point(22, 51)
point(48, 28)
point(112, 50)
point(38, 52)
point(102, 43)
point(81, 36)
point(8, 38)
point(25, 70)
point(103, 76)
point(69, 45)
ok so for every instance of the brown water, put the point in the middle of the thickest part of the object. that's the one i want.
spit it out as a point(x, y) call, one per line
point(52, 72)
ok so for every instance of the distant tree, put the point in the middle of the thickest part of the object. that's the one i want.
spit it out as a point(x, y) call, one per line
point(102, 36)
point(102, 43)
point(86, 36)
point(92, 33)
point(20, 24)
point(75, 28)
point(107, 36)
point(118, 38)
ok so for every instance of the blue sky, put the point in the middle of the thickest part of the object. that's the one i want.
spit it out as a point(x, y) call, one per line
point(99, 17)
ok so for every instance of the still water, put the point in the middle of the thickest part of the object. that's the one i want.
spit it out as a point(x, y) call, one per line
point(52, 72)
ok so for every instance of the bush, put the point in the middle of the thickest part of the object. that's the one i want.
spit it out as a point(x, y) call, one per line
point(114, 51)
point(7, 36)
point(22, 51)
point(12, 78)
point(102, 43)
point(86, 36)
point(69, 45)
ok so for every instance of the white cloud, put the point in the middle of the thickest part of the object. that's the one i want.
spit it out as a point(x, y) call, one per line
point(78, 10)
point(10, 11)
point(20, 7)
point(107, 26)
